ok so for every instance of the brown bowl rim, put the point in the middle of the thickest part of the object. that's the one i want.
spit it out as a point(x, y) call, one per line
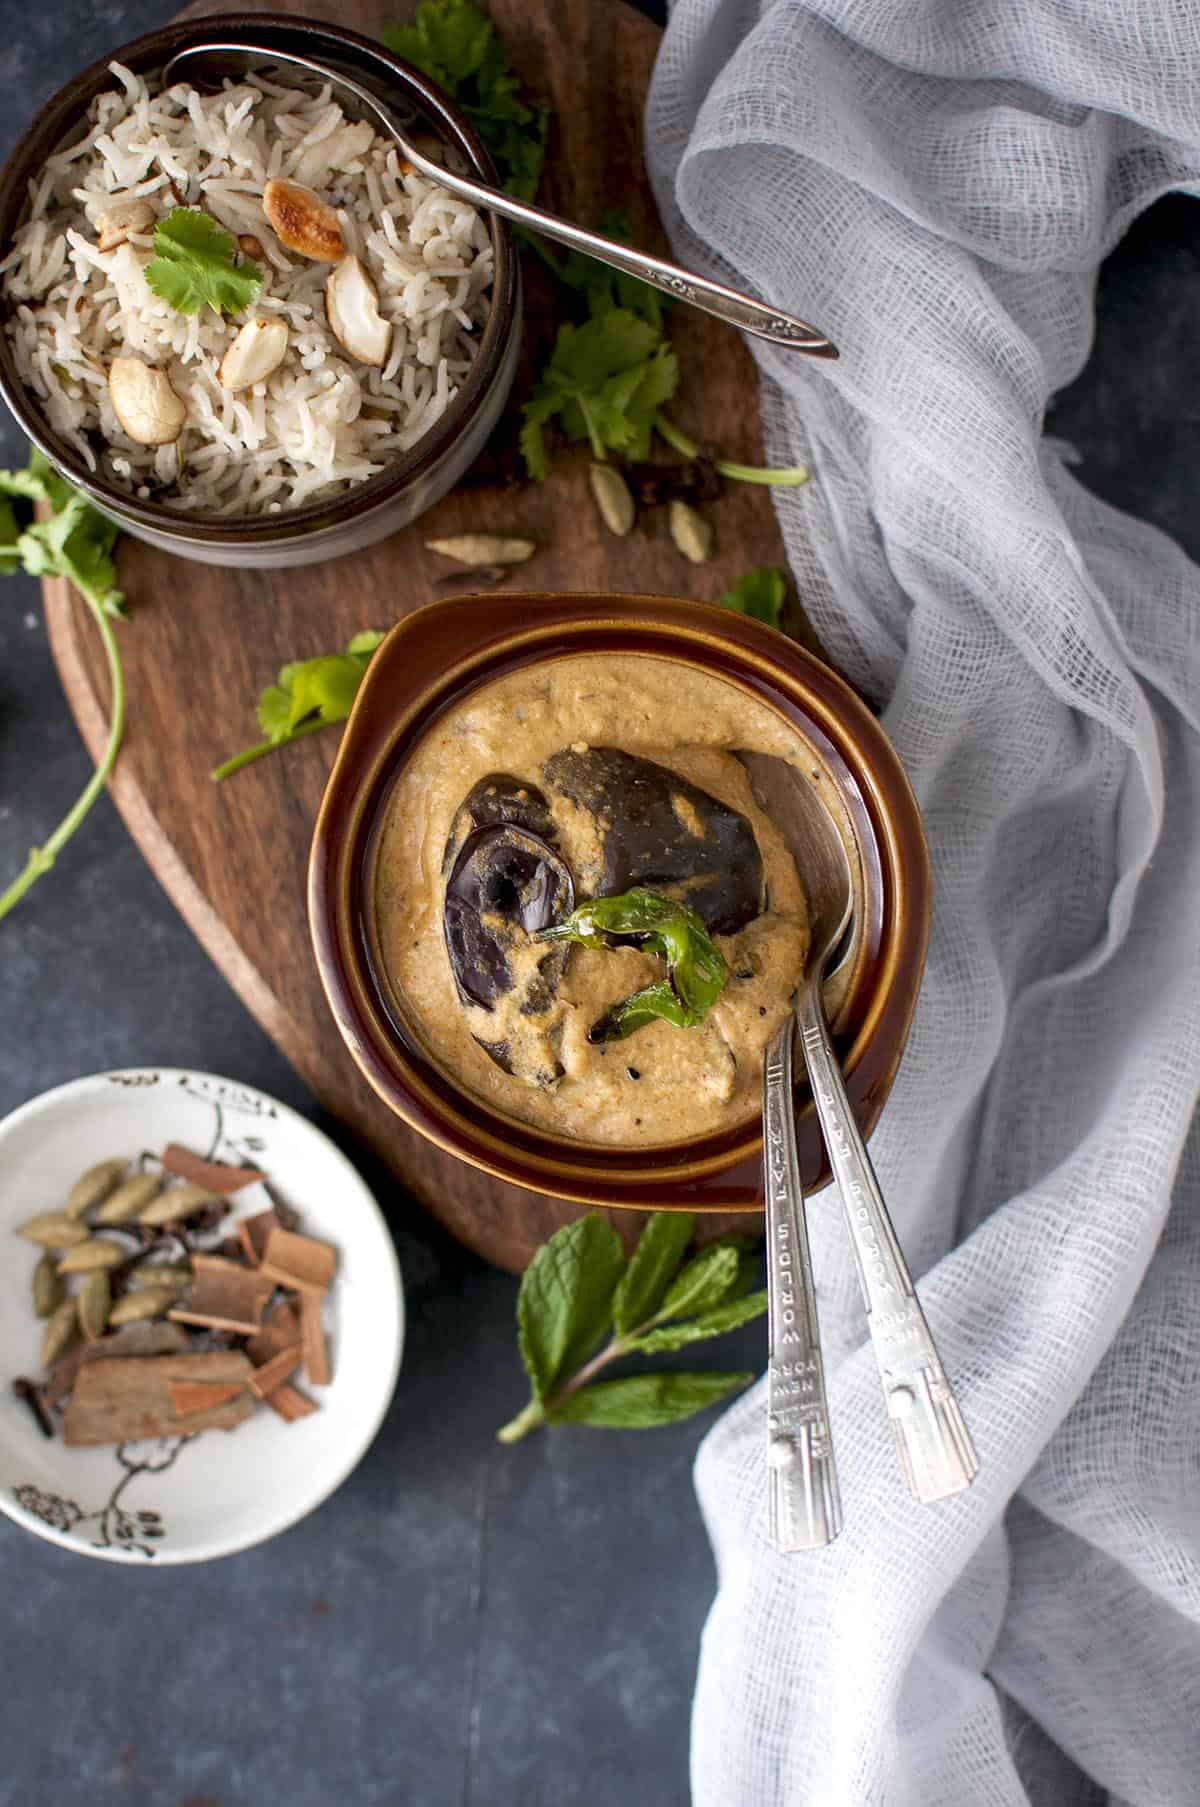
point(52, 126)
point(428, 662)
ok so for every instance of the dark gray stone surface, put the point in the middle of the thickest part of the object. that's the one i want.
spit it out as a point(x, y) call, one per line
point(461, 1623)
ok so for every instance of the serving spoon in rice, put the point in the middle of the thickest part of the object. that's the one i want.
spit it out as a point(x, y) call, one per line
point(216, 59)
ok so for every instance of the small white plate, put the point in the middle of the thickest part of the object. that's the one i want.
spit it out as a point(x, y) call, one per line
point(177, 1499)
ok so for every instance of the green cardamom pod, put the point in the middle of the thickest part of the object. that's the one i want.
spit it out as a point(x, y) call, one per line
point(91, 1255)
point(92, 1186)
point(47, 1287)
point(61, 1331)
point(150, 1302)
point(94, 1302)
point(160, 1273)
point(613, 498)
point(692, 534)
point(484, 549)
point(176, 1205)
point(129, 1199)
point(53, 1230)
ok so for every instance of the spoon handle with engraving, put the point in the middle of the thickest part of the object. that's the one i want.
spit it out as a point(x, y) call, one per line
point(935, 1448)
point(804, 1505)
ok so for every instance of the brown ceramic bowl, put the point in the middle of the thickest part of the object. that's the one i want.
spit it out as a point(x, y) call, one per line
point(438, 656)
point(413, 480)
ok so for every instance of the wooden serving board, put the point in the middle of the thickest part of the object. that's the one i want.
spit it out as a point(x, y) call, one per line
point(201, 643)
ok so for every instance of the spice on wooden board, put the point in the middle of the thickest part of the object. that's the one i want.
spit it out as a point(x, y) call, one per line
point(217, 1176)
point(121, 1399)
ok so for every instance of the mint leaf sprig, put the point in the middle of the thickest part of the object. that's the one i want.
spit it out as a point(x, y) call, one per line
point(74, 541)
point(309, 694)
point(578, 1291)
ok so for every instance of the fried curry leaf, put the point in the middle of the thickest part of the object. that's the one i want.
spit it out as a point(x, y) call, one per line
point(309, 694)
point(696, 967)
point(454, 43)
point(194, 264)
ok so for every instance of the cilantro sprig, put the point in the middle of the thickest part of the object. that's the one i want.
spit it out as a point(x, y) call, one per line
point(582, 1307)
point(454, 43)
point(605, 382)
point(760, 593)
point(608, 378)
point(194, 265)
point(309, 694)
point(74, 541)
point(609, 374)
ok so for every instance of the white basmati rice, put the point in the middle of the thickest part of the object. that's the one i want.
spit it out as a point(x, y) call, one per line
point(321, 422)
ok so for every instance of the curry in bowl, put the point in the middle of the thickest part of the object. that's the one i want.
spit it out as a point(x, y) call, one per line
point(519, 760)
point(581, 911)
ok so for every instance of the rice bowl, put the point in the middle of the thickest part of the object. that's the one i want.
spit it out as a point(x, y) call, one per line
point(322, 421)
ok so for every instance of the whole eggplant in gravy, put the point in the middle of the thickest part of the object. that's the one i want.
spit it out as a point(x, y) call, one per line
point(658, 830)
point(506, 878)
point(504, 881)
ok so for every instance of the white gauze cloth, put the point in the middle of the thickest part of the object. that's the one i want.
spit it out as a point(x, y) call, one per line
point(934, 183)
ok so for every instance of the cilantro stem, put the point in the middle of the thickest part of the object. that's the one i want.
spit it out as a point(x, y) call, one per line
point(42, 858)
point(783, 476)
point(248, 755)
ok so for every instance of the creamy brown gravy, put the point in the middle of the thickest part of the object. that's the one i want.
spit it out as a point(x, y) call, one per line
point(689, 1081)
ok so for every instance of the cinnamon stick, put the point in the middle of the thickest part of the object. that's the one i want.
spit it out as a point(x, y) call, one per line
point(280, 1331)
point(218, 1176)
point(191, 1396)
point(298, 1261)
point(263, 1381)
point(225, 1296)
point(253, 1233)
point(312, 1334)
point(123, 1398)
point(290, 1403)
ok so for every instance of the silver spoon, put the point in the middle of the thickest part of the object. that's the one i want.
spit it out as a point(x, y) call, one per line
point(934, 1444)
point(804, 1506)
point(715, 298)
